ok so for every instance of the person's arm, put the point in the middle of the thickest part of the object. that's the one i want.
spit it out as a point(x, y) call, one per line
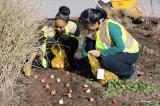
point(89, 44)
point(116, 36)
point(84, 52)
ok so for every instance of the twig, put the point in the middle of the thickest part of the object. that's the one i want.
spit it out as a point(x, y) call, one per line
point(98, 4)
point(147, 101)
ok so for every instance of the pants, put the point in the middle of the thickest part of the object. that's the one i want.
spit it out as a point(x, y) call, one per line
point(120, 64)
point(71, 45)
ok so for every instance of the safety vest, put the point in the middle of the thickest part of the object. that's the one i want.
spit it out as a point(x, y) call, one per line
point(103, 39)
point(49, 29)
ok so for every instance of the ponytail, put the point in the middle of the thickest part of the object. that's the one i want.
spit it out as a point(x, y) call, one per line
point(63, 13)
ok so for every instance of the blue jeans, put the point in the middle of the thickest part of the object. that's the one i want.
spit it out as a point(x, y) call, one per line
point(120, 64)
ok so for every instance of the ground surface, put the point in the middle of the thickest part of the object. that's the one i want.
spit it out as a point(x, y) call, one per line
point(31, 91)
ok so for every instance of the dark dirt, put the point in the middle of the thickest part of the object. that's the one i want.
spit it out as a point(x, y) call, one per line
point(31, 92)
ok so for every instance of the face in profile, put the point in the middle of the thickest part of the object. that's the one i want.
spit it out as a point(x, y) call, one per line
point(92, 27)
point(60, 25)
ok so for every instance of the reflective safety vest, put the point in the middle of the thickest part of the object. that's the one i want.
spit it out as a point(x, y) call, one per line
point(49, 31)
point(103, 39)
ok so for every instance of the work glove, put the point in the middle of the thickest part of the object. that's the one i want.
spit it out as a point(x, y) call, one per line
point(27, 68)
point(63, 38)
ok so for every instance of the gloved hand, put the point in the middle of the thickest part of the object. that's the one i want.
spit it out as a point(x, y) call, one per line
point(63, 38)
point(27, 68)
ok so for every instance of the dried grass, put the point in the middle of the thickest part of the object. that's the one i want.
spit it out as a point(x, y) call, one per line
point(18, 24)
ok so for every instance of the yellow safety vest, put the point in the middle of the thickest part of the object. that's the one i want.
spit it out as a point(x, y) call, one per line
point(103, 40)
point(49, 29)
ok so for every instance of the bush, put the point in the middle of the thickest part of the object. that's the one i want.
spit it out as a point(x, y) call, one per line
point(18, 24)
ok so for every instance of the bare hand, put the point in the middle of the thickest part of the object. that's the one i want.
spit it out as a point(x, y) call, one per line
point(95, 53)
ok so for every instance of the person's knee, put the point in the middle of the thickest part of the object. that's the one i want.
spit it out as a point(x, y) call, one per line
point(108, 63)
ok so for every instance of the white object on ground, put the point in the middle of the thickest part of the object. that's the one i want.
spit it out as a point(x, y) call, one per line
point(100, 74)
point(61, 101)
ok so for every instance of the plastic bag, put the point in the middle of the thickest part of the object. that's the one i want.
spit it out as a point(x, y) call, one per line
point(58, 60)
point(95, 65)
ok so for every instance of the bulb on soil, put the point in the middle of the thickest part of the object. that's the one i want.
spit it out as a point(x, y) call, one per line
point(43, 80)
point(52, 76)
point(67, 84)
point(67, 73)
point(35, 76)
point(47, 86)
point(69, 95)
point(58, 80)
point(61, 101)
point(88, 90)
point(70, 91)
point(53, 92)
point(141, 73)
point(91, 99)
point(114, 101)
point(85, 86)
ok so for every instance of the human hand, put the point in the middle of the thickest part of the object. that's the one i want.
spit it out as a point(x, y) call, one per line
point(95, 53)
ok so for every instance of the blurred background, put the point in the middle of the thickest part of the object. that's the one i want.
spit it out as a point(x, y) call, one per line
point(49, 8)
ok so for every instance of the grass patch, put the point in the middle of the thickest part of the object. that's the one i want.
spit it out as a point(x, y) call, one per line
point(115, 88)
point(110, 94)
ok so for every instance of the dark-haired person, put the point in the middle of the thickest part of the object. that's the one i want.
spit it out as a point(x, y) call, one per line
point(64, 30)
point(110, 42)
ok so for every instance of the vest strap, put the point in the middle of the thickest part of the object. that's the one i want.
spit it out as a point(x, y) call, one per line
point(104, 35)
point(50, 29)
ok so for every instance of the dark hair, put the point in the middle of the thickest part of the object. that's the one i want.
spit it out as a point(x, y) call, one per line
point(91, 15)
point(63, 13)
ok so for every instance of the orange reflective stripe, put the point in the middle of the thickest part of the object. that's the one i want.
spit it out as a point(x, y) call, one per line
point(69, 28)
point(106, 31)
point(104, 35)
point(101, 37)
